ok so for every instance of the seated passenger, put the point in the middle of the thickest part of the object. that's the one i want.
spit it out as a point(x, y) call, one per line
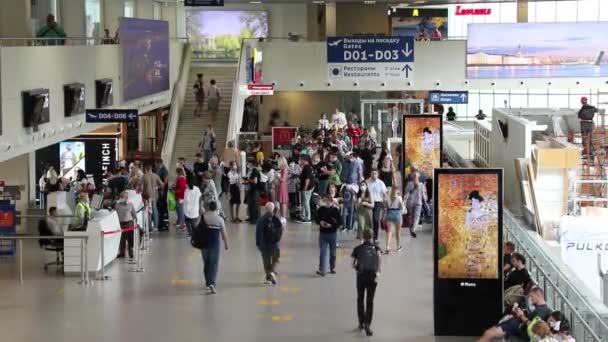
point(516, 323)
point(508, 249)
point(519, 275)
point(52, 222)
point(560, 326)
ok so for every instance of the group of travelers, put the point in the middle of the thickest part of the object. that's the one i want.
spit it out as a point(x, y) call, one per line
point(527, 315)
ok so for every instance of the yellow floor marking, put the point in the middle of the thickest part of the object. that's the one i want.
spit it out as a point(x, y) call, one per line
point(286, 259)
point(269, 302)
point(60, 292)
point(181, 282)
point(282, 318)
point(291, 289)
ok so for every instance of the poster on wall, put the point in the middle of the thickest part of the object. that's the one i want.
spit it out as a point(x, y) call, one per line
point(71, 158)
point(282, 138)
point(145, 57)
point(467, 250)
point(420, 23)
point(218, 34)
point(101, 156)
point(422, 144)
point(542, 50)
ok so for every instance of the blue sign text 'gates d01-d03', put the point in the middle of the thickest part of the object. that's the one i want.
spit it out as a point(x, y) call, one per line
point(370, 57)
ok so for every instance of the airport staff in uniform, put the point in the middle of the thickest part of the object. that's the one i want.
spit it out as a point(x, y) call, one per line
point(585, 115)
point(82, 213)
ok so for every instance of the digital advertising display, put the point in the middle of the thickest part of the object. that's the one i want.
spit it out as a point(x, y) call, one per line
point(71, 158)
point(422, 24)
point(145, 57)
point(219, 33)
point(467, 242)
point(537, 50)
point(467, 226)
point(422, 141)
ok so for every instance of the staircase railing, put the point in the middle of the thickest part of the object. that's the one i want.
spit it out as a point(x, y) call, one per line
point(178, 98)
point(236, 107)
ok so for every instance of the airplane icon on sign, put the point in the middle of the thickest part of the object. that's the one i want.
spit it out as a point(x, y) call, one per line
point(335, 43)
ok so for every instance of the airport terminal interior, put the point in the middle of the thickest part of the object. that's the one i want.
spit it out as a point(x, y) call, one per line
point(305, 170)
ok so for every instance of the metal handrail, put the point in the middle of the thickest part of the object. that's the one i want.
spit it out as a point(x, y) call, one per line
point(235, 92)
point(588, 331)
point(84, 263)
point(44, 41)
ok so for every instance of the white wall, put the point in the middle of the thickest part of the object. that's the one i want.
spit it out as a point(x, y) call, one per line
point(73, 18)
point(15, 18)
point(113, 10)
point(288, 63)
point(282, 17)
point(22, 69)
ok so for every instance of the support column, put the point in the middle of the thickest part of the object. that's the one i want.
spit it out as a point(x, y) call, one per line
point(15, 18)
point(330, 19)
point(522, 11)
point(73, 18)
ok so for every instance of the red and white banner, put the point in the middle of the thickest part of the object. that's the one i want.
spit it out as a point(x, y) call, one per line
point(258, 89)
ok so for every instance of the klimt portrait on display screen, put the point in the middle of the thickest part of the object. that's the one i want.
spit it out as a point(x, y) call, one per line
point(422, 144)
point(467, 226)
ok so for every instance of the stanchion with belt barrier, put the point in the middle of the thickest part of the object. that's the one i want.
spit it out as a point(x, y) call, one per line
point(102, 234)
point(137, 248)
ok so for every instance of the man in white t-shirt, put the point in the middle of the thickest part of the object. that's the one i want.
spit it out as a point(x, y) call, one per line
point(192, 209)
point(378, 191)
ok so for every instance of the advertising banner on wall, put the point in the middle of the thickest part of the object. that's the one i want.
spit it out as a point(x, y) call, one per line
point(467, 250)
point(422, 144)
point(282, 137)
point(381, 58)
point(583, 238)
point(541, 50)
point(145, 57)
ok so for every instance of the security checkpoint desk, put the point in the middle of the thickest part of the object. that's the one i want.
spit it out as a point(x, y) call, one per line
point(102, 220)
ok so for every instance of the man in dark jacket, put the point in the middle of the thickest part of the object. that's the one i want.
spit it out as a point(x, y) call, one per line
point(329, 222)
point(585, 115)
point(268, 234)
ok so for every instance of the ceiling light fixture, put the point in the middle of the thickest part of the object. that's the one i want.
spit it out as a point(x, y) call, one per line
point(318, 2)
point(369, 2)
point(255, 2)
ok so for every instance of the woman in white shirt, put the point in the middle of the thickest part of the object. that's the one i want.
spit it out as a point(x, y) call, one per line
point(234, 179)
point(394, 218)
point(192, 211)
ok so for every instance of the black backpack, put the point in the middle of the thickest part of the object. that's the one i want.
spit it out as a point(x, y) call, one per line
point(367, 259)
point(200, 235)
point(273, 231)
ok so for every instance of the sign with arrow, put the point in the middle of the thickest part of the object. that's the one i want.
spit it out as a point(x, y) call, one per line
point(370, 57)
point(448, 97)
point(112, 115)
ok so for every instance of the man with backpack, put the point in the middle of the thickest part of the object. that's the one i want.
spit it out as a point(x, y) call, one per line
point(206, 237)
point(268, 233)
point(585, 115)
point(366, 260)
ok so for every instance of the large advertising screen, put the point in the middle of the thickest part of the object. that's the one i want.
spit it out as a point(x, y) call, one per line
point(541, 50)
point(71, 158)
point(145, 57)
point(422, 24)
point(468, 225)
point(422, 141)
point(219, 33)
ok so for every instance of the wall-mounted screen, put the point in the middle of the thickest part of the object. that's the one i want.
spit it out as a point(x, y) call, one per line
point(219, 33)
point(423, 24)
point(541, 50)
point(71, 158)
point(35, 108)
point(145, 57)
point(467, 225)
point(74, 99)
point(104, 93)
point(422, 139)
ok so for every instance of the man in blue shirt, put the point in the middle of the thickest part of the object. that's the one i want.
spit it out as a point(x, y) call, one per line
point(268, 234)
point(211, 252)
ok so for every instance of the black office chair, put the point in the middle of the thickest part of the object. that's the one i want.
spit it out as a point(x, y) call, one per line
point(52, 245)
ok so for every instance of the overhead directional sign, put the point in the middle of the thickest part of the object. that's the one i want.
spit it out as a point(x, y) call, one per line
point(112, 115)
point(448, 97)
point(370, 57)
point(204, 3)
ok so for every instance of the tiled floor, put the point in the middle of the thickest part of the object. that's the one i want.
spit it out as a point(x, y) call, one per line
point(167, 302)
